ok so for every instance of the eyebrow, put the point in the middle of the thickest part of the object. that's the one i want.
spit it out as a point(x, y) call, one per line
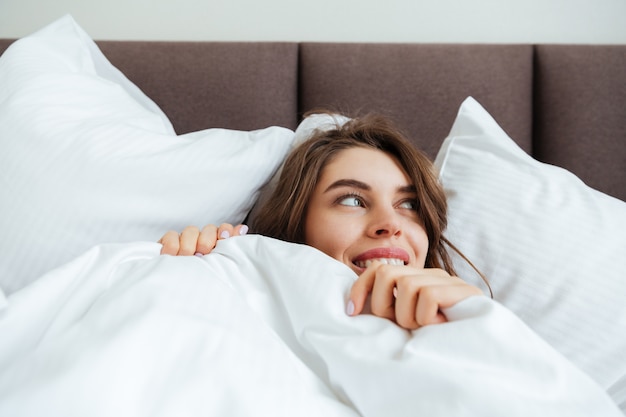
point(348, 183)
point(365, 187)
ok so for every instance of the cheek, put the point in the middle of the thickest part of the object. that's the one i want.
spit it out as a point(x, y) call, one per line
point(328, 235)
point(418, 239)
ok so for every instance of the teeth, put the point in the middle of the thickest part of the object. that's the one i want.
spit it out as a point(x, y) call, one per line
point(390, 261)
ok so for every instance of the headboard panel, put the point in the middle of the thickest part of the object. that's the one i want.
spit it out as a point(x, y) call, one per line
point(421, 85)
point(580, 112)
point(235, 85)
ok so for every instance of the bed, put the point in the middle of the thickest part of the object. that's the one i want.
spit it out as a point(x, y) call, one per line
point(106, 145)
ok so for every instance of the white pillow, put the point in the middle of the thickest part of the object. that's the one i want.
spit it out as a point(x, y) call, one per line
point(87, 158)
point(553, 249)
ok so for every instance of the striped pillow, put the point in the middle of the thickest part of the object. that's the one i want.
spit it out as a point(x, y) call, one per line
point(553, 249)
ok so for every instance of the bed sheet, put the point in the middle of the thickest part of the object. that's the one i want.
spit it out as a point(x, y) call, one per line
point(258, 327)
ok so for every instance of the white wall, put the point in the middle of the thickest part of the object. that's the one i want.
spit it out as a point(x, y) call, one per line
point(482, 21)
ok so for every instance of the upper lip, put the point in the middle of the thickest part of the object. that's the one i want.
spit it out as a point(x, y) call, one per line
point(383, 252)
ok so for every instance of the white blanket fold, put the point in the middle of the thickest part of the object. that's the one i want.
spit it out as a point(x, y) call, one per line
point(258, 327)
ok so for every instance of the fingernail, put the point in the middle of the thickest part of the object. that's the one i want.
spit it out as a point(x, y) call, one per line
point(243, 230)
point(224, 234)
point(395, 292)
point(198, 254)
point(350, 308)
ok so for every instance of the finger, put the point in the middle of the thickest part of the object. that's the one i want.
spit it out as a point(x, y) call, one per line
point(383, 299)
point(170, 243)
point(434, 298)
point(240, 230)
point(188, 241)
point(206, 239)
point(225, 231)
point(427, 310)
point(409, 296)
point(405, 306)
point(361, 289)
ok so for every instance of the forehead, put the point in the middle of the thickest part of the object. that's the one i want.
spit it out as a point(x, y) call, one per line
point(371, 165)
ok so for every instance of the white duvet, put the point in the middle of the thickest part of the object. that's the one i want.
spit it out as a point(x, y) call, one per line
point(258, 328)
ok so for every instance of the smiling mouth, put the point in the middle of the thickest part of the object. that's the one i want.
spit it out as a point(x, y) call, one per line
point(388, 261)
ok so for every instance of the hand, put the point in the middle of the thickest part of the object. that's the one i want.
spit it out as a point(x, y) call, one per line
point(410, 297)
point(193, 241)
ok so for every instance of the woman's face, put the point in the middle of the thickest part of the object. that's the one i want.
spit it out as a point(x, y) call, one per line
point(363, 208)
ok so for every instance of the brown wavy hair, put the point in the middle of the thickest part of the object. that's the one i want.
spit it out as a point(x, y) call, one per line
point(282, 214)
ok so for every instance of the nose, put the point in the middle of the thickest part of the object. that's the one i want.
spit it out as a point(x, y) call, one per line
point(384, 223)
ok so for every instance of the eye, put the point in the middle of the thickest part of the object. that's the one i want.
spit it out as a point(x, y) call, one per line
point(351, 201)
point(409, 204)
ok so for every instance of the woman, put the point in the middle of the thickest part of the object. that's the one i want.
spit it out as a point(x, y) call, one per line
point(361, 193)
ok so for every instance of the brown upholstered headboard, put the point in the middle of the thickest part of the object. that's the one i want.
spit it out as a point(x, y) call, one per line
point(564, 104)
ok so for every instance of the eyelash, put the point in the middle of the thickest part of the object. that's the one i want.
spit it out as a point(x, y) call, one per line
point(362, 203)
point(351, 195)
